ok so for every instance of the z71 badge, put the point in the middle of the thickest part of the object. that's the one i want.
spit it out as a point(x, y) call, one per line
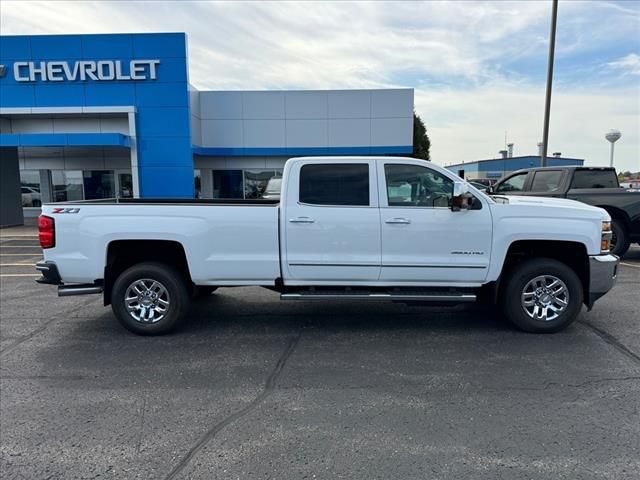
point(65, 210)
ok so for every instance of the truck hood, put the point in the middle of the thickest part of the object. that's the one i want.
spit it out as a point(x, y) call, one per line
point(563, 207)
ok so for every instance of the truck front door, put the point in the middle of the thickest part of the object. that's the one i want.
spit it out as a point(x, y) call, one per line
point(423, 240)
point(331, 223)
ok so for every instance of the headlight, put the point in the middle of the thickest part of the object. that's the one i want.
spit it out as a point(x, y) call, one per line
point(605, 241)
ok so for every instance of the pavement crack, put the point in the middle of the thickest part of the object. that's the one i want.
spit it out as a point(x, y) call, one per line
point(613, 341)
point(142, 411)
point(24, 338)
point(269, 386)
point(29, 336)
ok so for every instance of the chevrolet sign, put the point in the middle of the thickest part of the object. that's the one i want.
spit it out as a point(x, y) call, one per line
point(83, 70)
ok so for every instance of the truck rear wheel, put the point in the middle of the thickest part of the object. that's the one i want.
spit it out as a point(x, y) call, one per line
point(620, 241)
point(542, 295)
point(150, 298)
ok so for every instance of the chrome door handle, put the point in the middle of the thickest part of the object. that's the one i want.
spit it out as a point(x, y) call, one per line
point(301, 220)
point(397, 220)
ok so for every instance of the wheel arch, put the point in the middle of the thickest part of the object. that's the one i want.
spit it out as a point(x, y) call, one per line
point(122, 254)
point(617, 213)
point(572, 254)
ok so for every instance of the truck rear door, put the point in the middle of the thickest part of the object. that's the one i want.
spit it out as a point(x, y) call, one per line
point(330, 223)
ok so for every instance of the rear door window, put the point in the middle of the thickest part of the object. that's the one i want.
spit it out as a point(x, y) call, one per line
point(594, 179)
point(546, 180)
point(335, 184)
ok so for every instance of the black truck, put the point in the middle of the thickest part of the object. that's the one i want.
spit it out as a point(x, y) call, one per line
point(596, 186)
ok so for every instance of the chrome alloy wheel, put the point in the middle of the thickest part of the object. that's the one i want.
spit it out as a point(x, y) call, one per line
point(147, 300)
point(545, 298)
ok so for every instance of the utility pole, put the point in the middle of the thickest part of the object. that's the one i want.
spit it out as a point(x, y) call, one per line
point(547, 103)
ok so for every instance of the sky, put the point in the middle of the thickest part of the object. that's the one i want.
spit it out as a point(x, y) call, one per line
point(478, 68)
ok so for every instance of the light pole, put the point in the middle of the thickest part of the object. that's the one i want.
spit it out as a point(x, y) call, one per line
point(547, 102)
point(613, 136)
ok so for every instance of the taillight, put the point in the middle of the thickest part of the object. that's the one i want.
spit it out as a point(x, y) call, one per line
point(46, 231)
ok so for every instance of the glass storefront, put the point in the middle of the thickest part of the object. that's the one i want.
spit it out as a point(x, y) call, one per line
point(30, 188)
point(197, 183)
point(70, 185)
point(227, 184)
point(248, 184)
point(98, 184)
point(67, 185)
point(125, 185)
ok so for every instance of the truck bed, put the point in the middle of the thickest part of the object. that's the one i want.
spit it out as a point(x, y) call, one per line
point(221, 248)
point(171, 201)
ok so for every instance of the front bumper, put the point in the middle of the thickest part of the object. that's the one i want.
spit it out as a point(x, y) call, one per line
point(603, 272)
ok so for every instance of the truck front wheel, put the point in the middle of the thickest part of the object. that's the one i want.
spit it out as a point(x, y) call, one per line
point(150, 298)
point(542, 295)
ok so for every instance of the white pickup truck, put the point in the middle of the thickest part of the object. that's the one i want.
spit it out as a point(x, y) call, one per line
point(353, 228)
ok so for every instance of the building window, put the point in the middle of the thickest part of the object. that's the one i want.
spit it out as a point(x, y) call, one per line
point(197, 183)
point(98, 184)
point(256, 182)
point(248, 184)
point(67, 185)
point(227, 184)
point(30, 188)
point(125, 185)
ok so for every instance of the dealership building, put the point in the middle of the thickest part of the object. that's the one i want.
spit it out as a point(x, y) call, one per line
point(99, 116)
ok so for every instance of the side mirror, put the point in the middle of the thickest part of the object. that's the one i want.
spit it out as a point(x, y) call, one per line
point(490, 189)
point(460, 200)
point(460, 188)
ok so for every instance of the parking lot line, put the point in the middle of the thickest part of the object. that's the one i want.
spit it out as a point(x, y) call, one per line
point(17, 264)
point(19, 254)
point(19, 274)
point(629, 265)
point(20, 246)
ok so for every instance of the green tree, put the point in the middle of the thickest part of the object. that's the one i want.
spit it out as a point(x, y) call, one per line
point(421, 142)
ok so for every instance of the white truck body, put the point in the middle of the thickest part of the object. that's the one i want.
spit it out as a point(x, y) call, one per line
point(387, 242)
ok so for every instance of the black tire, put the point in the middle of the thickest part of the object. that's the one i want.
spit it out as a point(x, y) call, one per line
point(203, 291)
point(175, 286)
point(517, 280)
point(36, 203)
point(620, 242)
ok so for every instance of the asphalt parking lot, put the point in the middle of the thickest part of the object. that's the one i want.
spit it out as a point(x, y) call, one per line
point(255, 388)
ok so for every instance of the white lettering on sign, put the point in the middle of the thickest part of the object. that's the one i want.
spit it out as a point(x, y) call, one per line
point(102, 70)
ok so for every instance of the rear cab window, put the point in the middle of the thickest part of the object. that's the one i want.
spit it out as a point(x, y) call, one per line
point(335, 184)
point(594, 179)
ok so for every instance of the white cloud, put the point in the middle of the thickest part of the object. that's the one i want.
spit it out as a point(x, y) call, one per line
point(470, 125)
point(629, 64)
point(475, 65)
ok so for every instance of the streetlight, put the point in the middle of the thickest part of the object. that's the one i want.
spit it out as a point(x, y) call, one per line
point(613, 136)
point(547, 102)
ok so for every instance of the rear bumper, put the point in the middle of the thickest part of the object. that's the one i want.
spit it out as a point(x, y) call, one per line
point(603, 272)
point(51, 276)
